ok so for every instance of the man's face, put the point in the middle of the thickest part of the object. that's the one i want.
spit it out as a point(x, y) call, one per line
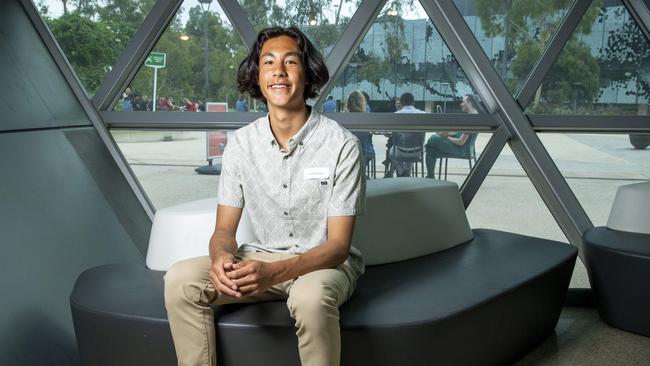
point(464, 105)
point(398, 104)
point(282, 74)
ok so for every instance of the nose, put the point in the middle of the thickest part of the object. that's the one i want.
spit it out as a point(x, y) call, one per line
point(279, 69)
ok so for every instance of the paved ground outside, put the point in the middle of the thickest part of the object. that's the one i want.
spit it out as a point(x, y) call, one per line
point(593, 165)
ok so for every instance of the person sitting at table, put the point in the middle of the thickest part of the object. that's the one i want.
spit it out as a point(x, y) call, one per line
point(405, 145)
point(445, 143)
point(357, 103)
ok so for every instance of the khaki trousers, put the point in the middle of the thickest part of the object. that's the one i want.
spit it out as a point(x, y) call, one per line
point(313, 301)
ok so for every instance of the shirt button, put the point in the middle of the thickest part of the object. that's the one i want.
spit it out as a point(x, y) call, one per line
point(291, 235)
point(284, 186)
point(300, 143)
point(286, 157)
point(286, 213)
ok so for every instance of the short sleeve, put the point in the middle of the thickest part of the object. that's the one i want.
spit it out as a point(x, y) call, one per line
point(230, 191)
point(349, 189)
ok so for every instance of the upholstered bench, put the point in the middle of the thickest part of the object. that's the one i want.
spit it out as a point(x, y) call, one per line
point(434, 292)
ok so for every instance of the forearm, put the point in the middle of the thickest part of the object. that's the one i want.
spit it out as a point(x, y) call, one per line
point(327, 255)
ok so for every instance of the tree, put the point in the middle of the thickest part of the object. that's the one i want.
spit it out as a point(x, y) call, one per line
point(626, 58)
point(88, 45)
point(527, 27)
point(93, 33)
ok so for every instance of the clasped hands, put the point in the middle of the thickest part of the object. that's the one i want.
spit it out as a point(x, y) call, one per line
point(243, 278)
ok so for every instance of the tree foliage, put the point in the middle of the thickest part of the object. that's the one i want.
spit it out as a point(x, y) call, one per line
point(626, 58)
point(527, 27)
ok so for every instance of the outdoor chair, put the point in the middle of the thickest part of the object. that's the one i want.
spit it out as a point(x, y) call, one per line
point(468, 152)
point(409, 142)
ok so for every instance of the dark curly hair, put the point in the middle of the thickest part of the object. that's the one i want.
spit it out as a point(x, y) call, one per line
point(316, 73)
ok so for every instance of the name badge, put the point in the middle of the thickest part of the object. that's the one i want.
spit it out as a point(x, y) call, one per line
point(317, 173)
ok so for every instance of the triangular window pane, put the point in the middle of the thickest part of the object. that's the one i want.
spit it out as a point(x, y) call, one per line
point(513, 34)
point(402, 52)
point(93, 34)
point(522, 212)
point(181, 83)
point(322, 21)
point(604, 68)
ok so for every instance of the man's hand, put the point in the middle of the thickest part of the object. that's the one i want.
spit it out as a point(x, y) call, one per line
point(253, 277)
point(222, 263)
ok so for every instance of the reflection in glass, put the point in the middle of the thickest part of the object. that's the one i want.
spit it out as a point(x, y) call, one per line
point(402, 52)
point(93, 34)
point(192, 79)
point(323, 21)
point(605, 69)
point(513, 34)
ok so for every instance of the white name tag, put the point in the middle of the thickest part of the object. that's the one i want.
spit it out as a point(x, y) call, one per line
point(317, 173)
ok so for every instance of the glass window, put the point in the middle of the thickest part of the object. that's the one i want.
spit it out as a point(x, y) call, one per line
point(402, 53)
point(165, 162)
point(439, 155)
point(596, 165)
point(513, 34)
point(508, 201)
point(93, 34)
point(603, 69)
point(191, 79)
point(323, 21)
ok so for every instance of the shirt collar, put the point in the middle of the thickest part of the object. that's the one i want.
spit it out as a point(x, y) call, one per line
point(300, 137)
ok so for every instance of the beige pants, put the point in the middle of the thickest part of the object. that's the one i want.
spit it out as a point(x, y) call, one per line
point(313, 301)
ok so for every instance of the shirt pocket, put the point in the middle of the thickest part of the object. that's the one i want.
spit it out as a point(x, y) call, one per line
point(312, 198)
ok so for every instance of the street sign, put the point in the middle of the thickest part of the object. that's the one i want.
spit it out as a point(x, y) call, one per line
point(156, 60)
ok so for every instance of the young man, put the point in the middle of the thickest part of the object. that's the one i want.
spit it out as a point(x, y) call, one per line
point(299, 176)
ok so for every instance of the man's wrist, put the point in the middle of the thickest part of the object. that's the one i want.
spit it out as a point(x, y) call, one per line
point(280, 271)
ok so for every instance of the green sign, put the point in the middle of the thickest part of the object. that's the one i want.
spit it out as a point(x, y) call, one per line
point(156, 59)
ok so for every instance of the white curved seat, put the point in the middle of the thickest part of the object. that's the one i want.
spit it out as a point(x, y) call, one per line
point(405, 218)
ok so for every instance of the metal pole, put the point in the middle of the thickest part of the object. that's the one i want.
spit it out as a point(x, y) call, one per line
point(155, 84)
point(205, 32)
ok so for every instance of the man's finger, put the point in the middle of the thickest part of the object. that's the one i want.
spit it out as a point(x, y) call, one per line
point(248, 289)
point(221, 277)
point(246, 280)
point(221, 287)
point(241, 272)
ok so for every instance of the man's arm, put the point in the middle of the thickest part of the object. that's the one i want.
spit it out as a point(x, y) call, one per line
point(223, 248)
point(253, 277)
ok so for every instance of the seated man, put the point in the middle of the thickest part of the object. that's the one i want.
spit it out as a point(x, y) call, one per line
point(406, 146)
point(445, 143)
point(300, 178)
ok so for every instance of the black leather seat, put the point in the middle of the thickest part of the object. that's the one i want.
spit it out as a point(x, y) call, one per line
point(485, 302)
point(618, 264)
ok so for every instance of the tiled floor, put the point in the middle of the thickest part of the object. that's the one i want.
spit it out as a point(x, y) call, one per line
point(581, 338)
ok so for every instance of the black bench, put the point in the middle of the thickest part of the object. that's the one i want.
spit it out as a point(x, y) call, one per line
point(485, 302)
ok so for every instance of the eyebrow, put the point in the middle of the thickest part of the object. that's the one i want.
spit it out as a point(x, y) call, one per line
point(290, 53)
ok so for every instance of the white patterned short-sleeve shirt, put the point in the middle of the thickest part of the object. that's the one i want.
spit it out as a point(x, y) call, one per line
point(288, 195)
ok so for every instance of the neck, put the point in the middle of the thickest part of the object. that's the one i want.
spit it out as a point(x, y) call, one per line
point(286, 122)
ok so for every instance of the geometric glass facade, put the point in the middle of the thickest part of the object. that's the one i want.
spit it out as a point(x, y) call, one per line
point(93, 34)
